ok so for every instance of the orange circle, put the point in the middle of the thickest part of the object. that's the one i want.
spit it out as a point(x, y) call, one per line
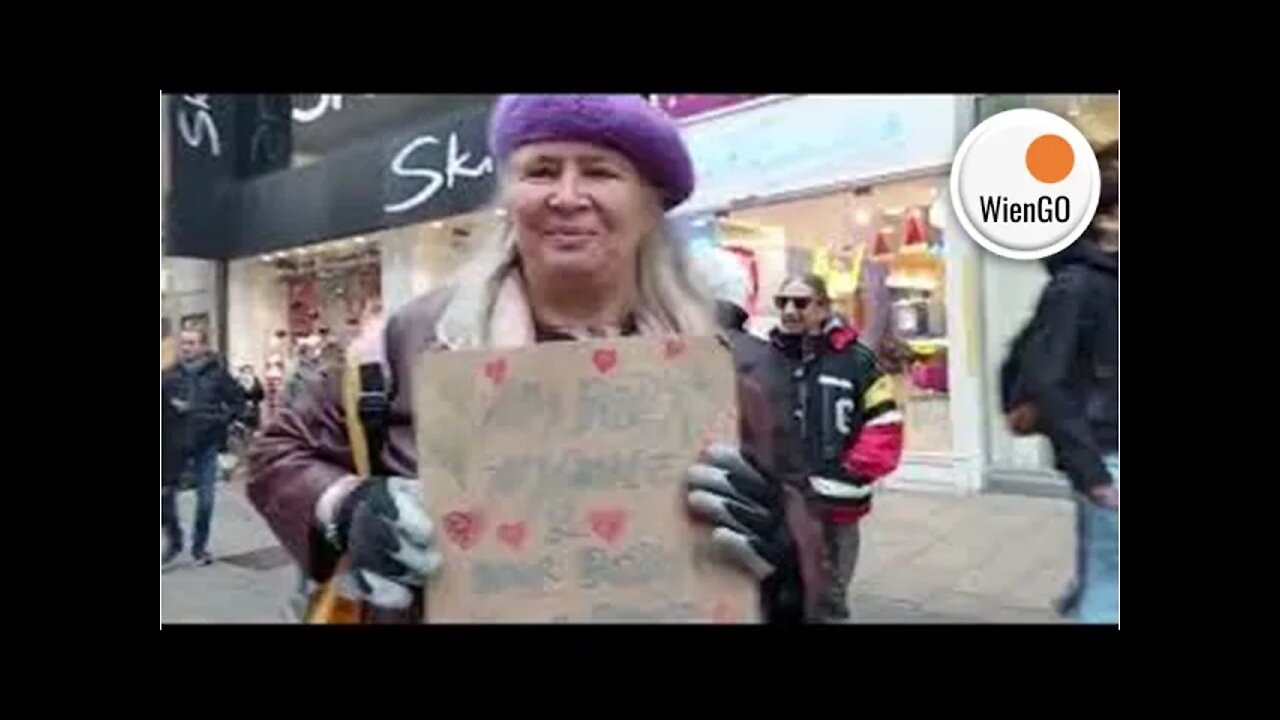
point(1050, 158)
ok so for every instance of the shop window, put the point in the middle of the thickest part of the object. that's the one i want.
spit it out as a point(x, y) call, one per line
point(322, 295)
point(327, 290)
point(881, 251)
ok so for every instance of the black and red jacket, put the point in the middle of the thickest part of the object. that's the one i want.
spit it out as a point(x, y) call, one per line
point(846, 418)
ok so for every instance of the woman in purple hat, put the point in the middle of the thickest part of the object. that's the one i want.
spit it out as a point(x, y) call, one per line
point(585, 181)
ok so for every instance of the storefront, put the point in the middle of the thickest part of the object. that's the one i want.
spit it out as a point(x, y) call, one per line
point(320, 211)
point(1010, 290)
point(326, 291)
point(854, 188)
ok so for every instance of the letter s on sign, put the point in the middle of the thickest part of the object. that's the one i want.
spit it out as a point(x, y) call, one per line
point(193, 131)
point(434, 177)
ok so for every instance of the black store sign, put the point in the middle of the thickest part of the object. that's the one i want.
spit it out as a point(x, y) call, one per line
point(259, 173)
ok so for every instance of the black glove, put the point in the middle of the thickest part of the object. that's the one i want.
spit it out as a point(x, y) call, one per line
point(390, 542)
point(731, 493)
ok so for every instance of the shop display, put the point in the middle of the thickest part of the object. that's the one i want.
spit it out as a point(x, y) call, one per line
point(919, 315)
point(346, 293)
point(841, 271)
point(910, 317)
point(881, 250)
point(916, 282)
point(752, 265)
point(930, 373)
point(914, 232)
point(916, 267)
point(327, 293)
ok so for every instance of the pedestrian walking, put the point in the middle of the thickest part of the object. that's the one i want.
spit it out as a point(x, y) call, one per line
point(199, 399)
point(1062, 380)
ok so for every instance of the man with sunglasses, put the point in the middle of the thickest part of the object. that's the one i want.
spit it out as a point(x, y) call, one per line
point(845, 419)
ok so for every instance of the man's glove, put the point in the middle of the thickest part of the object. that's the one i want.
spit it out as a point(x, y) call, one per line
point(383, 527)
point(746, 509)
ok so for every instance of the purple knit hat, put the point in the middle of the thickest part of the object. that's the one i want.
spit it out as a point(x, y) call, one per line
point(627, 124)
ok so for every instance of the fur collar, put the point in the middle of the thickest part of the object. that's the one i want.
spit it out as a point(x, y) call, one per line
point(509, 317)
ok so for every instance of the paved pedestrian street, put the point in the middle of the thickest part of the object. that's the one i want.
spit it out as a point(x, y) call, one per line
point(926, 558)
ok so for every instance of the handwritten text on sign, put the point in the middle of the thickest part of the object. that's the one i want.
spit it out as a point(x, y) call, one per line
point(555, 474)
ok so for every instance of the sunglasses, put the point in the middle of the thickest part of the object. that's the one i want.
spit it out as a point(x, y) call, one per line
point(801, 303)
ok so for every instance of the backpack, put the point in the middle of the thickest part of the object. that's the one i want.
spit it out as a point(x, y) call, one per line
point(1020, 414)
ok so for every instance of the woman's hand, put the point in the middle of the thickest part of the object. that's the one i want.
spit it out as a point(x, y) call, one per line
point(389, 540)
point(731, 493)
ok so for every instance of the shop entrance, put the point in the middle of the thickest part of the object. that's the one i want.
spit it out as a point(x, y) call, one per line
point(881, 250)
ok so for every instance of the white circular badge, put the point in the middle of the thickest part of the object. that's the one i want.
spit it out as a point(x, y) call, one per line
point(1025, 184)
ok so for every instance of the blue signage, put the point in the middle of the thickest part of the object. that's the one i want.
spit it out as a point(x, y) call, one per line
point(809, 140)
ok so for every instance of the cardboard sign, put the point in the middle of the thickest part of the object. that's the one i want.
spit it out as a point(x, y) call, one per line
point(555, 475)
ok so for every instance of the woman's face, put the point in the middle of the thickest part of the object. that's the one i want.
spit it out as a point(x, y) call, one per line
point(579, 209)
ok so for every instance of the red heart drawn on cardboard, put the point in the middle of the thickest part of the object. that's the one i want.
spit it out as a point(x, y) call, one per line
point(674, 347)
point(496, 370)
point(604, 360)
point(608, 524)
point(464, 527)
point(512, 534)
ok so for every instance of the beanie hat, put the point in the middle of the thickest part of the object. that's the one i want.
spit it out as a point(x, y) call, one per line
point(626, 124)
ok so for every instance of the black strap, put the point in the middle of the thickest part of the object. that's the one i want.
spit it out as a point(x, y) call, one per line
point(374, 408)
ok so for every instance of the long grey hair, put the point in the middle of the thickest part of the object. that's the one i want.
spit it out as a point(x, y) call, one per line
point(672, 298)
